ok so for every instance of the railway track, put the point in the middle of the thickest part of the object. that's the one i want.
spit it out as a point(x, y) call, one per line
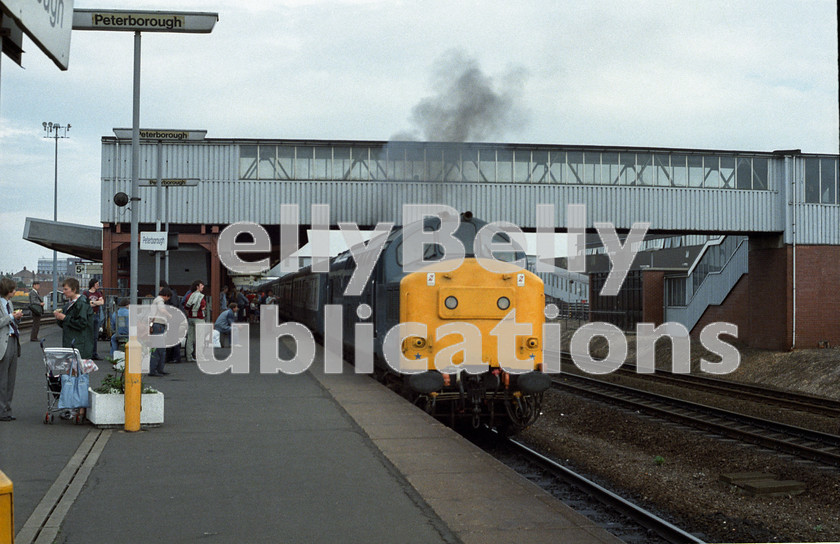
point(622, 517)
point(26, 324)
point(816, 446)
point(785, 399)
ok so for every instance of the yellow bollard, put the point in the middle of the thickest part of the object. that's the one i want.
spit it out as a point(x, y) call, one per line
point(7, 510)
point(133, 385)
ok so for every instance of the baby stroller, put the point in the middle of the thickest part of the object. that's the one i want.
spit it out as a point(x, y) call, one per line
point(58, 361)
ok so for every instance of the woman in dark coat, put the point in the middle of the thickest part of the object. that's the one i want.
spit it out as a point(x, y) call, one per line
point(76, 320)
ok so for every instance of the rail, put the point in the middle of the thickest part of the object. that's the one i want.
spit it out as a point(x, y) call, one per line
point(26, 323)
point(821, 447)
point(645, 518)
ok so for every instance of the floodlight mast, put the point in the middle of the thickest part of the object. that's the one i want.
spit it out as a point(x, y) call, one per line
point(56, 131)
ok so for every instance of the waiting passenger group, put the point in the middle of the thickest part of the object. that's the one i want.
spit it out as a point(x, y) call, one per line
point(82, 316)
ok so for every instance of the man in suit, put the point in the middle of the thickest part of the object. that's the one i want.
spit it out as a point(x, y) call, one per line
point(9, 347)
point(35, 300)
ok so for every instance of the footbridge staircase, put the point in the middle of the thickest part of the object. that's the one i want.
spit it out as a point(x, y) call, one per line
point(709, 280)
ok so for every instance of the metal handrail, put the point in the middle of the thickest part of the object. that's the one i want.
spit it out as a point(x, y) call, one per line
point(700, 257)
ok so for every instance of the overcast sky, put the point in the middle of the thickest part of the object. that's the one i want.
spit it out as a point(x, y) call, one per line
point(745, 75)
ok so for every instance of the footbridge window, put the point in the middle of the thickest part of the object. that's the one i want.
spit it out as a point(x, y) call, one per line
point(821, 181)
point(475, 163)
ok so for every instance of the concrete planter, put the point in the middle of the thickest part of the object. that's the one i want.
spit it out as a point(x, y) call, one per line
point(109, 409)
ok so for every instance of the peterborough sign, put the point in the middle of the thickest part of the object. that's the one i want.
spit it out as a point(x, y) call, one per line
point(163, 135)
point(144, 21)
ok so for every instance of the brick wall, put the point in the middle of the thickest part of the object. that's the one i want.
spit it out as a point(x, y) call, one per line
point(769, 298)
point(734, 309)
point(817, 295)
point(761, 303)
point(653, 291)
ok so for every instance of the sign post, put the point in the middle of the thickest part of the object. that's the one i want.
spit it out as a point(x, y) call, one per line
point(162, 136)
point(165, 184)
point(138, 22)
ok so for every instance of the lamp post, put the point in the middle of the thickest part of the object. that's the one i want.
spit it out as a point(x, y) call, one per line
point(56, 131)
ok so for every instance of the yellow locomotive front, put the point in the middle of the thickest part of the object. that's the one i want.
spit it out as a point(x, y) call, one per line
point(474, 343)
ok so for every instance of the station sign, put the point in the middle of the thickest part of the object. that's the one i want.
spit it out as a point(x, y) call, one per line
point(174, 182)
point(144, 21)
point(88, 269)
point(48, 23)
point(163, 135)
point(153, 241)
point(12, 40)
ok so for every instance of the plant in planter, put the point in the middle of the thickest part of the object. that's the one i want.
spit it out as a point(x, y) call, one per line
point(114, 384)
point(107, 402)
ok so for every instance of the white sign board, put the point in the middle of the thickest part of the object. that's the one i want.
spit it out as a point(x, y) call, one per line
point(47, 22)
point(88, 268)
point(153, 241)
point(163, 134)
point(143, 21)
point(179, 182)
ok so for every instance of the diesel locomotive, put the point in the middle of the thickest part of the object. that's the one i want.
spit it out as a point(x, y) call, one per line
point(470, 346)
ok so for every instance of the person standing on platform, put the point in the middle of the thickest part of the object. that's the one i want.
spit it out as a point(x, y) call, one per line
point(96, 301)
point(173, 354)
point(195, 307)
point(242, 302)
point(76, 320)
point(223, 297)
point(160, 316)
point(120, 320)
point(9, 347)
point(36, 306)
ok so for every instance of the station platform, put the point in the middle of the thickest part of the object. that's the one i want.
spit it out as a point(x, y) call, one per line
point(266, 458)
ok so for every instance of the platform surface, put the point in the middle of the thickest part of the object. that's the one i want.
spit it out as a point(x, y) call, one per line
point(273, 458)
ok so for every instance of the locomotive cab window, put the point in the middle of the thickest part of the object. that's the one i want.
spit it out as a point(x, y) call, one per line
point(431, 252)
point(507, 256)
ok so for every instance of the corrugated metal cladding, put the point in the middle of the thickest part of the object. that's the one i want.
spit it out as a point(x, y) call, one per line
point(222, 197)
point(367, 203)
point(206, 161)
point(816, 224)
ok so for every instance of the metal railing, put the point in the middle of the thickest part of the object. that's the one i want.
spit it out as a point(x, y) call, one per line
point(714, 273)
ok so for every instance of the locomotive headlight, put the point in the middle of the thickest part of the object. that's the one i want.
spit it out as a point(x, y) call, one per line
point(413, 343)
point(451, 302)
point(532, 343)
point(503, 303)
